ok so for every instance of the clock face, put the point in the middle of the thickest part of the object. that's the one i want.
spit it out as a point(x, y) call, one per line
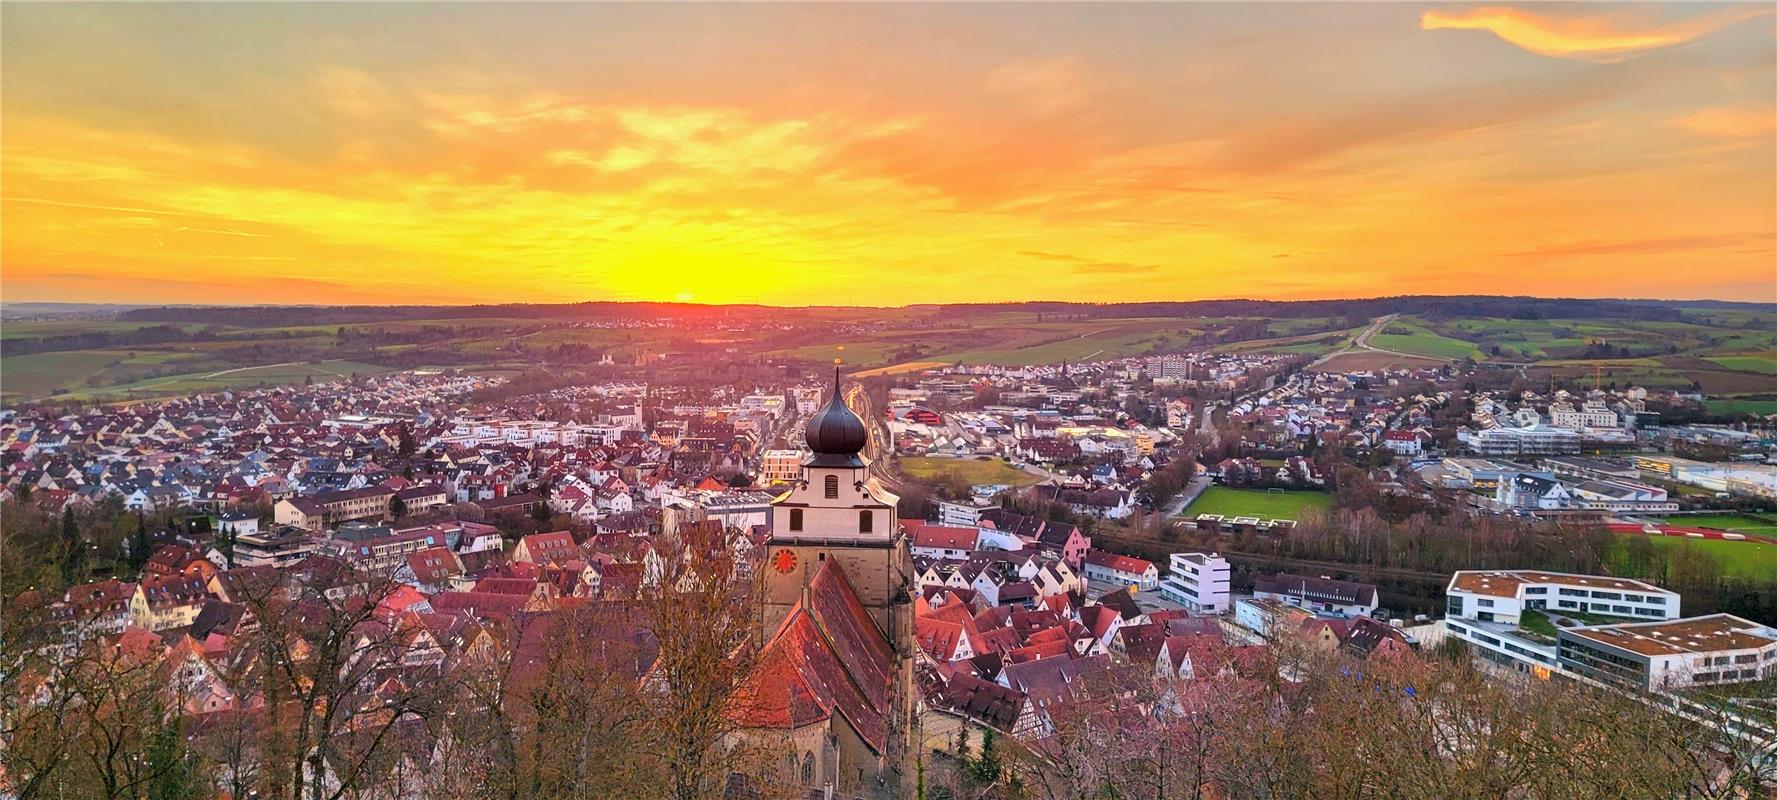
point(783, 561)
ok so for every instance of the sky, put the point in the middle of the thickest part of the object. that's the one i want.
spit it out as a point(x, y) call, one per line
point(884, 154)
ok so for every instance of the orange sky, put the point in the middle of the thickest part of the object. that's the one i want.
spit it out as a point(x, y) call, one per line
point(884, 154)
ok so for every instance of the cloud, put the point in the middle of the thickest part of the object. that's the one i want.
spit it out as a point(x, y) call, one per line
point(1596, 37)
point(1671, 244)
point(1738, 122)
point(1087, 265)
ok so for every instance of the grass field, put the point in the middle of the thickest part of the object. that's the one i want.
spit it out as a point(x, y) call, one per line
point(991, 471)
point(1727, 406)
point(1419, 340)
point(911, 366)
point(1256, 503)
point(1094, 339)
point(1736, 523)
point(1748, 363)
point(1754, 560)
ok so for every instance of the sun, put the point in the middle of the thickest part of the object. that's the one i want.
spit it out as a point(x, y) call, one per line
point(685, 297)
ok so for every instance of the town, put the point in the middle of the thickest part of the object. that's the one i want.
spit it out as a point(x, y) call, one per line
point(951, 577)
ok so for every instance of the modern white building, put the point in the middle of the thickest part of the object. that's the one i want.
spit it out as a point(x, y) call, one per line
point(1487, 610)
point(1676, 654)
point(1592, 414)
point(1504, 595)
point(1198, 581)
point(1535, 439)
point(961, 514)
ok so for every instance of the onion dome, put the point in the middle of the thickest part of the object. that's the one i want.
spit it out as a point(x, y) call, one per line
point(835, 435)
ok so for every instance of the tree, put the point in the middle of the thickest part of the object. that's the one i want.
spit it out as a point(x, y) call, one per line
point(73, 550)
point(404, 440)
point(140, 545)
point(397, 507)
point(172, 775)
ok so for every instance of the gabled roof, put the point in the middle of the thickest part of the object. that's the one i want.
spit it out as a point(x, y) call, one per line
point(827, 655)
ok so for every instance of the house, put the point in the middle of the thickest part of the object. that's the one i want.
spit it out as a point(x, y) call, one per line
point(1123, 570)
point(1321, 595)
point(167, 601)
point(941, 541)
point(1533, 492)
point(1403, 443)
point(546, 548)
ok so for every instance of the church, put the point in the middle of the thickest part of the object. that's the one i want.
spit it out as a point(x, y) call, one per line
point(834, 679)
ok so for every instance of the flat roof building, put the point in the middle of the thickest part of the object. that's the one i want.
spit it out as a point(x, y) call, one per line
point(1674, 654)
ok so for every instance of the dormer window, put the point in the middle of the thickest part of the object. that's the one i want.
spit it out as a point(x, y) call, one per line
point(832, 487)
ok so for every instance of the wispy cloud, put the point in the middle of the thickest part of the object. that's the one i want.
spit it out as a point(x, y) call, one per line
point(1672, 244)
point(1593, 37)
point(1738, 122)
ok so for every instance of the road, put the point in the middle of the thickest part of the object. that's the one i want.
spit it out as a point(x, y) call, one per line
point(1187, 495)
point(1361, 343)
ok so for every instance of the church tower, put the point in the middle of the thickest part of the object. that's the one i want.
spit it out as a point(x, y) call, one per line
point(837, 510)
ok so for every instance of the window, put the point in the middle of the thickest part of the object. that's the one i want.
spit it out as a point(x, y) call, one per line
point(795, 519)
point(1485, 603)
point(832, 487)
point(808, 768)
point(1537, 590)
point(863, 522)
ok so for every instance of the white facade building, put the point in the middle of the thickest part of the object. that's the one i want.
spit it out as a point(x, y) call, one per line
point(1486, 609)
point(1198, 581)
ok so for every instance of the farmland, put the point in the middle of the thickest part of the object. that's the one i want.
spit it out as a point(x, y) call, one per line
point(1735, 406)
point(990, 471)
point(1257, 503)
point(1729, 351)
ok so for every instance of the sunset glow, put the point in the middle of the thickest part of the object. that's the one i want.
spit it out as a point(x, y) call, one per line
point(884, 154)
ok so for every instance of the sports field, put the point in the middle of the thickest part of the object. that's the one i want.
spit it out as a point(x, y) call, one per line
point(1256, 503)
point(1738, 523)
point(1754, 560)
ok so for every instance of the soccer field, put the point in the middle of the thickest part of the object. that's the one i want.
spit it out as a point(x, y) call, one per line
point(1256, 503)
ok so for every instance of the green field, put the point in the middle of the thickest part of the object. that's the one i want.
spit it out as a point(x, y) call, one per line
point(1763, 364)
point(1413, 338)
point(991, 471)
point(1737, 523)
point(1755, 560)
point(1080, 341)
point(1729, 406)
point(1256, 503)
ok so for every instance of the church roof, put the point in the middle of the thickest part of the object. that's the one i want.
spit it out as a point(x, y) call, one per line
point(835, 435)
point(827, 655)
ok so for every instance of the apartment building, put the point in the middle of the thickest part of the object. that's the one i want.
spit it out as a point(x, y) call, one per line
point(280, 547)
point(780, 466)
point(1198, 581)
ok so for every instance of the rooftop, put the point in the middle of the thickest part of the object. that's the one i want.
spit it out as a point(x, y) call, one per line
point(1712, 634)
point(1505, 583)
